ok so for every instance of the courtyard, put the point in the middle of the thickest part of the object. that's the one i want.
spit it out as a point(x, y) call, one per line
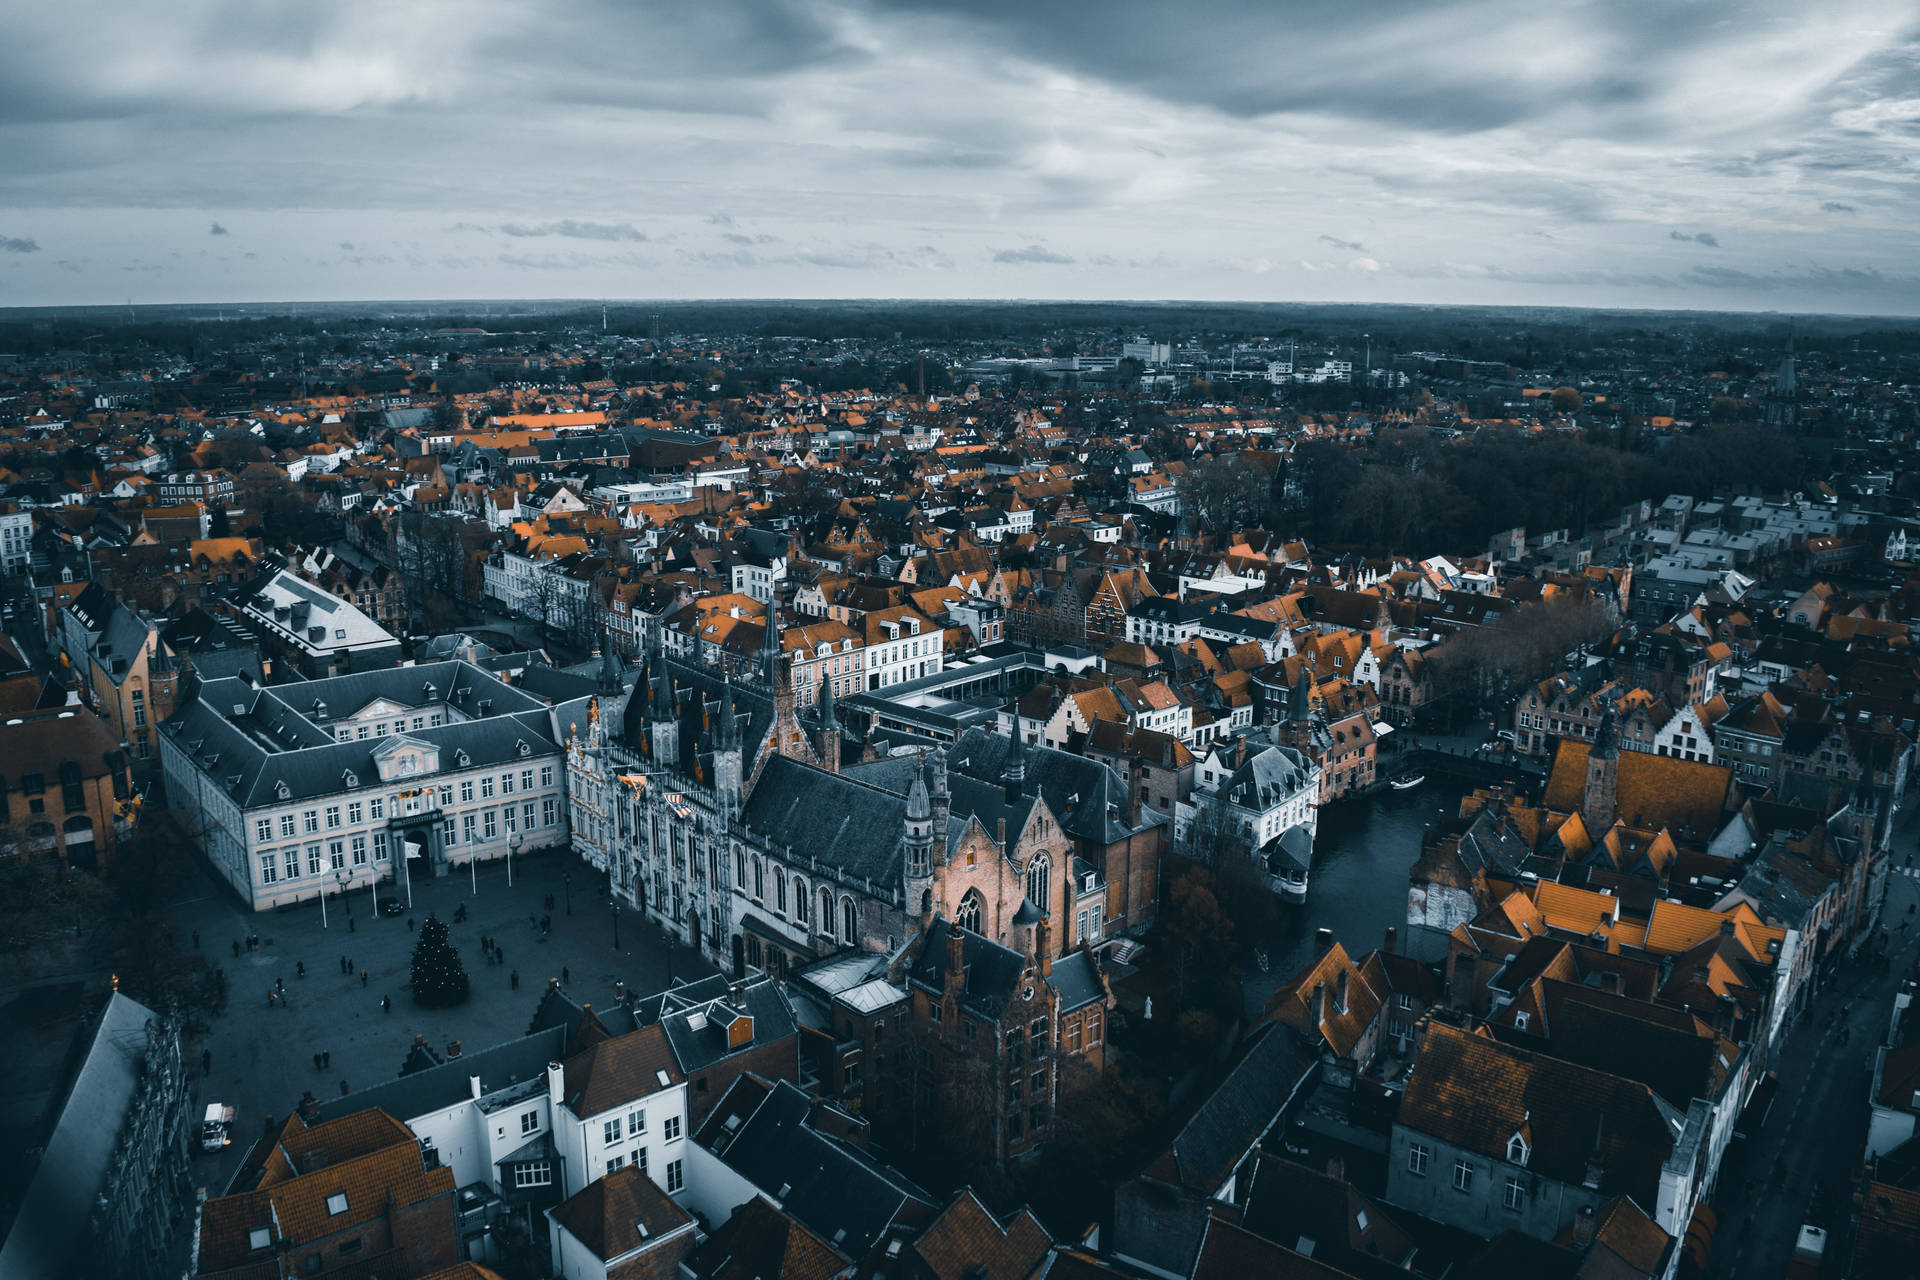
point(262, 1053)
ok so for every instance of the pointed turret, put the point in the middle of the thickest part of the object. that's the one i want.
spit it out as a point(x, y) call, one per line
point(826, 734)
point(938, 795)
point(1600, 803)
point(919, 841)
point(611, 676)
point(1300, 700)
point(770, 643)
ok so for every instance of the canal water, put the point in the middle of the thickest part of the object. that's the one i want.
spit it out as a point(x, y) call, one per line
point(1358, 885)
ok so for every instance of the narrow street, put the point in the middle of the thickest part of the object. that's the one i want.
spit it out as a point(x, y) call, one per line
point(1818, 1124)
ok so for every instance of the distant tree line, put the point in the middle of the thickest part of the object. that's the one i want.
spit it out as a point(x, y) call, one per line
point(1429, 495)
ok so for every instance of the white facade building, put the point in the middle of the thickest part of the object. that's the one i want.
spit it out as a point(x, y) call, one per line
point(297, 789)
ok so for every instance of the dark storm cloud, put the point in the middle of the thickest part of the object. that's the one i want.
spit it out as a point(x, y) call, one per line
point(575, 230)
point(216, 230)
point(1402, 62)
point(1351, 246)
point(1032, 253)
point(18, 244)
point(1706, 238)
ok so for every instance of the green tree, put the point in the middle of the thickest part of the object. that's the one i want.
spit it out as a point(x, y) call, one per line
point(439, 979)
point(1566, 399)
point(1198, 928)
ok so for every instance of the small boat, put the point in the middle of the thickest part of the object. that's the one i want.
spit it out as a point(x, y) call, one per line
point(1408, 784)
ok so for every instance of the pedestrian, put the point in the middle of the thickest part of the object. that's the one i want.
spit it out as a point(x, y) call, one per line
point(343, 964)
point(196, 939)
point(566, 975)
point(514, 977)
point(363, 977)
point(343, 1088)
point(206, 1062)
point(270, 997)
point(280, 985)
point(236, 948)
point(386, 1004)
point(499, 956)
point(546, 924)
point(316, 1062)
point(353, 926)
point(326, 1060)
point(300, 968)
point(409, 924)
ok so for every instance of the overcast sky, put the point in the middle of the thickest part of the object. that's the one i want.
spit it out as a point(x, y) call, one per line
point(1704, 155)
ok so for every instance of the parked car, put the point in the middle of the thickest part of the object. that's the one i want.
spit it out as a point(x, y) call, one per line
point(216, 1127)
point(392, 907)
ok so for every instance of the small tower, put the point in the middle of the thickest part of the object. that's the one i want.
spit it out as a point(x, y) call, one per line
point(612, 680)
point(826, 739)
point(1300, 699)
point(770, 644)
point(663, 718)
point(729, 767)
point(1602, 796)
point(942, 801)
point(919, 841)
point(1017, 765)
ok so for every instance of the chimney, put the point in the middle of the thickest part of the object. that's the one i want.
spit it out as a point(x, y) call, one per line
point(1319, 1002)
point(1583, 1229)
point(1043, 945)
point(556, 1087)
point(1340, 991)
point(956, 952)
point(1003, 834)
point(309, 1107)
point(1726, 1013)
point(1322, 941)
point(1391, 945)
point(1596, 1161)
point(473, 1087)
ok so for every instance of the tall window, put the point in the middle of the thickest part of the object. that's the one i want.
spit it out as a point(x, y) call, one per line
point(1038, 889)
point(848, 921)
point(968, 916)
point(1462, 1176)
point(779, 891)
point(799, 900)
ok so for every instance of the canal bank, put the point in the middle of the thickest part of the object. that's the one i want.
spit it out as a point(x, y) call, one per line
point(1361, 858)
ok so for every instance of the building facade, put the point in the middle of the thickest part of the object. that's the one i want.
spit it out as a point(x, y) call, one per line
point(338, 784)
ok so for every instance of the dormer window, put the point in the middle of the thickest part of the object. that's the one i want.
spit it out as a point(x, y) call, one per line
point(522, 748)
point(259, 1238)
point(1518, 1150)
point(282, 790)
point(351, 778)
point(462, 759)
point(336, 1204)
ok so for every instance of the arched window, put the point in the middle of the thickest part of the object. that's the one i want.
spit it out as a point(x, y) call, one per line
point(848, 921)
point(1039, 891)
point(825, 918)
point(799, 900)
point(759, 877)
point(968, 916)
point(780, 891)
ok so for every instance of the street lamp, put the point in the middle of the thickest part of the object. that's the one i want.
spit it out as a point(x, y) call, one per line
point(566, 878)
point(340, 878)
point(513, 842)
point(473, 861)
point(613, 904)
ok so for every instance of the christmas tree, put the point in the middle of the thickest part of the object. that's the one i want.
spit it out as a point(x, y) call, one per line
point(439, 980)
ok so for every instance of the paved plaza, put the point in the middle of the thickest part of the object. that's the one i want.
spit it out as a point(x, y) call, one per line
point(263, 1055)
